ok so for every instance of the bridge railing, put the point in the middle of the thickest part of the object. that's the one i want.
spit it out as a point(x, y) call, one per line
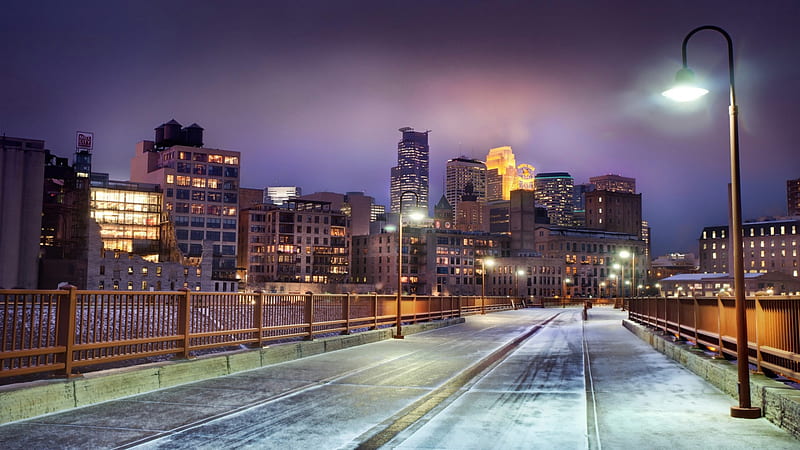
point(63, 330)
point(773, 326)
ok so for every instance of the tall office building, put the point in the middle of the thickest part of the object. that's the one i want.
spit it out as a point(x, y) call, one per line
point(793, 196)
point(201, 193)
point(411, 172)
point(614, 183)
point(501, 176)
point(614, 211)
point(279, 195)
point(554, 191)
point(460, 172)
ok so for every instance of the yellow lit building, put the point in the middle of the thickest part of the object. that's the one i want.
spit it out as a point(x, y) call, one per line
point(129, 216)
point(501, 170)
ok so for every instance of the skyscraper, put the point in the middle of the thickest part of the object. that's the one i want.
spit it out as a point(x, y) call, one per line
point(411, 171)
point(460, 172)
point(501, 176)
point(554, 192)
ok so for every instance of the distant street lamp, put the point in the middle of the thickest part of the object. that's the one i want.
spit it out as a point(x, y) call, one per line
point(685, 91)
point(484, 262)
point(613, 278)
point(520, 273)
point(658, 286)
point(415, 215)
point(621, 285)
point(602, 286)
point(624, 254)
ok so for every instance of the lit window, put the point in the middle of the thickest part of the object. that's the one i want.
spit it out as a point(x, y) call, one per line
point(170, 179)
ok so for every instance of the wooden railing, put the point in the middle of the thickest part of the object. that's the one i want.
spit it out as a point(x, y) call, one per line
point(61, 331)
point(773, 326)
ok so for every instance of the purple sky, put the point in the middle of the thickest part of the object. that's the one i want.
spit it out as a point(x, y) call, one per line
point(312, 93)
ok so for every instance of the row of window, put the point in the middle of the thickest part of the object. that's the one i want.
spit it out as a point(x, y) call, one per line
point(199, 235)
point(204, 157)
point(201, 196)
point(143, 285)
point(211, 183)
point(224, 250)
point(208, 222)
point(145, 270)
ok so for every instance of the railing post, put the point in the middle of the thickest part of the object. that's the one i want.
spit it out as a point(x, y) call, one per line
point(460, 306)
point(184, 321)
point(720, 310)
point(375, 311)
point(696, 316)
point(346, 312)
point(258, 317)
point(666, 315)
point(67, 306)
point(310, 315)
point(759, 312)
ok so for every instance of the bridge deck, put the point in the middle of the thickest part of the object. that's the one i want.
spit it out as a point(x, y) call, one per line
point(535, 378)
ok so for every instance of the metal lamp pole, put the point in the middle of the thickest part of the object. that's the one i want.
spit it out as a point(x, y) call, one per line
point(744, 410)
point(399, 325)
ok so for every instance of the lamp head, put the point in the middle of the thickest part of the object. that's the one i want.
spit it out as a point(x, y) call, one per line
point(416, 215)
point(685, 89)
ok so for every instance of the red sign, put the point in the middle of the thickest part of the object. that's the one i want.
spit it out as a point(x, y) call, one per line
point(84, 140)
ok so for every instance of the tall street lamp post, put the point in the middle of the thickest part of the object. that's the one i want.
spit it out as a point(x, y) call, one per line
point(520, 273)
point(399, 334)
point(685, 91)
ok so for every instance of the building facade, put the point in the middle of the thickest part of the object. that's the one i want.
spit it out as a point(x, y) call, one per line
point(355, 205)
point(307, 241)
point(501, 178)
point(614, 211)
point(793, 197)
point(201, 193)
point(769, 246)
point(461, 172)
point(525, 276)
point(554, 191)
point(412, 170)
point(594, 262)
point(436, 261)
point(22, 164)
point(614, 183)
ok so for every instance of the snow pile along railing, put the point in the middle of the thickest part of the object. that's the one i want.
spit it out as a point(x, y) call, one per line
point(61, 331)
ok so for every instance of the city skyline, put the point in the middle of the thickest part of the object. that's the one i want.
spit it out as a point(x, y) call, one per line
point(312, 94)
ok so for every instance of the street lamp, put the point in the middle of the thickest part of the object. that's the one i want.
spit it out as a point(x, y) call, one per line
point(484, 262)
point(602, 286)
point(415, 215)
point(658, 286)
point(520, 273)
point(613, 278)
point(624, 254)
point(621, 268)
point(686, 92)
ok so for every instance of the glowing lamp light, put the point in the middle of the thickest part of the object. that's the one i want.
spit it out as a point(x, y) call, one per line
point(684, 89)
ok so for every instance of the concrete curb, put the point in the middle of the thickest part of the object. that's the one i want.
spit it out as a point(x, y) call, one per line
point(779, 403)
point(27, 400)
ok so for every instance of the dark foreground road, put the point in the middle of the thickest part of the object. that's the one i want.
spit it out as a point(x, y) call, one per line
point(536, 378)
